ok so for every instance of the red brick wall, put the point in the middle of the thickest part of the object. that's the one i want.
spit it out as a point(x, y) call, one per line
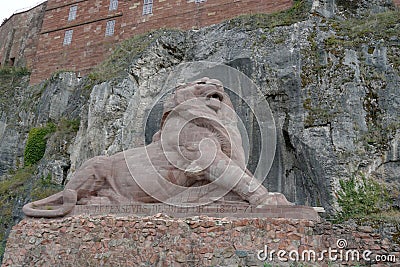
point(90, 45)
point(19, 36)
point(59, 3)
point(396, 2)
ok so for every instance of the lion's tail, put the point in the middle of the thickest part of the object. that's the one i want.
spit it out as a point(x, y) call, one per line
point(57, 205)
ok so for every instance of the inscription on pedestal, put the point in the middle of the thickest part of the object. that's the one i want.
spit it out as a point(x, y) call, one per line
point(214, 210)
point(150, 209)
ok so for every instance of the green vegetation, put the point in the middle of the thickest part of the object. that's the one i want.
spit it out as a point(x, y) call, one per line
point(36, 143)
point(15, 189)
point(17, 179)
point(357, 34)
point(37, 138)
point(348, 5)
point(362, 198)
point(11, 78)
point(66, 126)
point(65, 132)
point(381, 127)
point(14, 71)
point(355, 31)
point(122, 56)
point(299, 12)
point(368, 202)
point(23, 184)
point(378, 135)
point(44, 187)
point(318, 114)
point(12, 191)
point(376, 26)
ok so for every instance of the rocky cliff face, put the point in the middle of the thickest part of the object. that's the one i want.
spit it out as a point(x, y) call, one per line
point(334, 100)
point(332, 85)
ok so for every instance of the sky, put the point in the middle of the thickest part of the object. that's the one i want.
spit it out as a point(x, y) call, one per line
point(8, 7)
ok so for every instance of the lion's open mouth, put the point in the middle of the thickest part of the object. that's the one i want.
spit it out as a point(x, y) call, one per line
point(215, 95)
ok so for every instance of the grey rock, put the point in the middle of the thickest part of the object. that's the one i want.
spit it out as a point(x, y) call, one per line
point(325, 8)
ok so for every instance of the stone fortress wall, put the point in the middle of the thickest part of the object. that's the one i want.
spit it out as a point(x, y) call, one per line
point(35, 38)
point(40, 43)
point(19, 36)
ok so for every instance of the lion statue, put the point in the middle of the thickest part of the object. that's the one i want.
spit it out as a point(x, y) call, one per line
point(196, 158)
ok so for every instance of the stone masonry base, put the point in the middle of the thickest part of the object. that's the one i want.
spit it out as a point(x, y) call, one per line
point(160, 240)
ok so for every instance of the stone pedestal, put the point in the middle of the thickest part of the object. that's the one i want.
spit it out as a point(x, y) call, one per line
point(159, 240)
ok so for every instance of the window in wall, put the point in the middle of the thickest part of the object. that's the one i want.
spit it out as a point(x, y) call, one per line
point(72, 13)
point(110, 28)
point(113, 4)
point(68, 37)
point(199, 1)
point(148, 7)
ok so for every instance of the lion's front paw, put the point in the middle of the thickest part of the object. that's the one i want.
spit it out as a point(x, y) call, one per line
point(274, 199)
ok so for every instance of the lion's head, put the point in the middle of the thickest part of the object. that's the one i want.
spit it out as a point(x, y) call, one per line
point(199, 110)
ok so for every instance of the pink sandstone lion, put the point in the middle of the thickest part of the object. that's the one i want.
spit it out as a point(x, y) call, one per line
point(197, 156)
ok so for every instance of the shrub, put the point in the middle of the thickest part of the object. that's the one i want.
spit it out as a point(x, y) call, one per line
point(36, 143)
point(15, 71)
point(361, 198)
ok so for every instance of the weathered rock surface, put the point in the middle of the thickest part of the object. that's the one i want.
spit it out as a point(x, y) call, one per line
point(325, 99)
